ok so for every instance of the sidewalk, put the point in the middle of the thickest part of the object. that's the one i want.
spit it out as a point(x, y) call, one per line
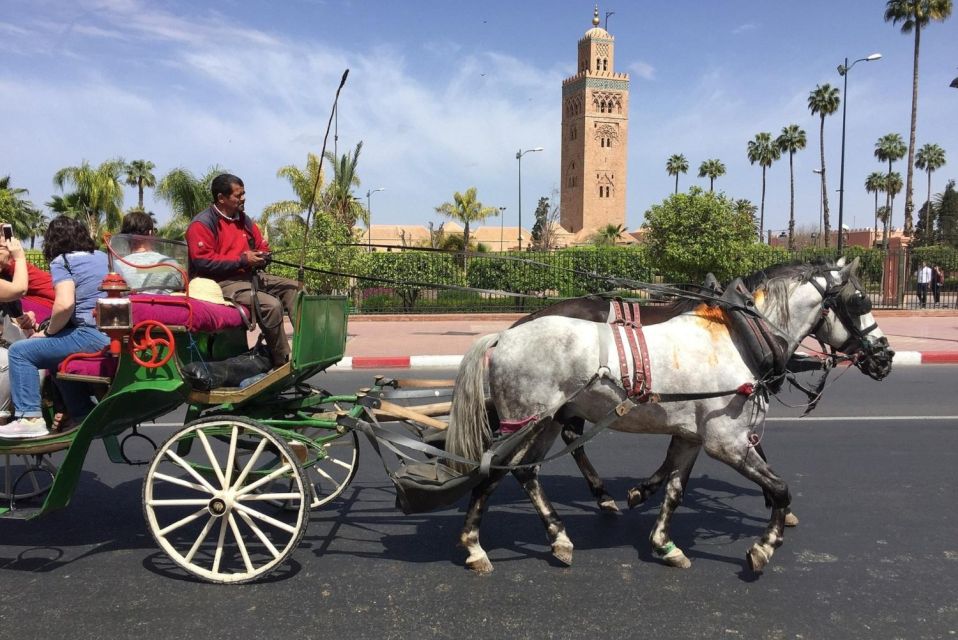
point(918, 337)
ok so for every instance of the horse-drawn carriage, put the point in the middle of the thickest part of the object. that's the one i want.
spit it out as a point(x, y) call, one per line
point(227, 495)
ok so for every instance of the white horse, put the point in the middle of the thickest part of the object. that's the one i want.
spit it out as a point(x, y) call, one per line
point(706, 392)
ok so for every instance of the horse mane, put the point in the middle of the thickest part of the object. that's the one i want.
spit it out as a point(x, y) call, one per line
point(775, 281)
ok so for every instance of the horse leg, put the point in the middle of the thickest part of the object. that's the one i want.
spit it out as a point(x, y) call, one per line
point(682, 455)
point(791, 520)
point(570, 431)
point(562, 547)
point(648, 487)
point(477, 560)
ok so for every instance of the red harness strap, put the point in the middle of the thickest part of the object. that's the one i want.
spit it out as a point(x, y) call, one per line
point(627, 316)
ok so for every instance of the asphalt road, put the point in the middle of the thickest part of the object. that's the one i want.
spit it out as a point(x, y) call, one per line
point(872, 474)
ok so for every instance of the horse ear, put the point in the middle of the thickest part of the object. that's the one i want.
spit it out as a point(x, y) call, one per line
point(841, 262)
point(850, 269)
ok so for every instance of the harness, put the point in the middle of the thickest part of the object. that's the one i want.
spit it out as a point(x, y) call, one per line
point(626, 318)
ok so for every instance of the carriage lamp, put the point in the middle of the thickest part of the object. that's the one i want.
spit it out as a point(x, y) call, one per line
point(114, 313)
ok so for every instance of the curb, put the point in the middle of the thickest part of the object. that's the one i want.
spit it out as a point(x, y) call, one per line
point(902, 359)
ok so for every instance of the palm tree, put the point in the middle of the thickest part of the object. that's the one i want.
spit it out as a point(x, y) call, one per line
point(139, 174)
point(824, 101)
point(187, 195)
point(929, 159)
point(913, 15)
point(341, 203)
point(874, 183)
point(890, 148)
point(884, 216)
point(893, 186)
point(466, 208)
point(99, 194)
point(675, 165)
point(791, 139)
point(15, 209)
point(713, 169)
point(608, 235)
point(308, 187)
point(762, 149)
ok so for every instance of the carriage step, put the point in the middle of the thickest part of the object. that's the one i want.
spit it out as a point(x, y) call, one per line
point(22, 513)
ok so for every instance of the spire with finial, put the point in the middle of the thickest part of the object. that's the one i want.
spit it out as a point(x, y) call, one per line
point(595, 16)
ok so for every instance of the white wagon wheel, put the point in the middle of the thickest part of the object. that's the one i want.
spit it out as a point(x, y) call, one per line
point(25, 476)
point(334, 468)
point(211, 504)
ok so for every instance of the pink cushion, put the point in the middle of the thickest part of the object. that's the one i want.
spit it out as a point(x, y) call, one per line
point(40, 311)
point(195, 315)
point(100, 366)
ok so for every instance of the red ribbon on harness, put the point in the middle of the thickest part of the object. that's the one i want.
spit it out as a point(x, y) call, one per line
point(511, 426)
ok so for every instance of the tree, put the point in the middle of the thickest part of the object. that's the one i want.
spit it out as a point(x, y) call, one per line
point(339, 199)
point(187, 195)
point(713, 169)
point(608, 235)
point(791, 139)
point(690, 234)
point(890, 148)
point(98, 193)
point(946, 204)
point(929, 159)
point(913, 16)
point(824, 101)
point(16, 210)
point(466, 208)
point(546, 225)
point(308, 187)
point(874, 183)
point(139, 174)
point(893, 186)
point(675, 165)
point(763, 150)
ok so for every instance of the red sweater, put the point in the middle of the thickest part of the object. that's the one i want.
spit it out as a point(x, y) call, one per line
point(216, 245)
point(39, 284)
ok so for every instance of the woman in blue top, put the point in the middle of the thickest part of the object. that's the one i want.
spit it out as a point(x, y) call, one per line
point(77, 269)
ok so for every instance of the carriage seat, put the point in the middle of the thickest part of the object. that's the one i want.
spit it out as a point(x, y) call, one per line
point(178, 312)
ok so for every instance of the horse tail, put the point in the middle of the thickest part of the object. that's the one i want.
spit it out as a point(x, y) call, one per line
point(468, 434)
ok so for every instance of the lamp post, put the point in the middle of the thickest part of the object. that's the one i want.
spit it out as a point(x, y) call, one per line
point(843, 70)
point(519, 155)
point(821, 204)
point(369, 217)
point(502, 216)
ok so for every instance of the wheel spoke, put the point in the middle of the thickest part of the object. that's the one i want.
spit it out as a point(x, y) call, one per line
point(340, 463)
point(231, 457)
point(218, 555)
point(179, 523)
point(189, 469)
point(200, 538)
point(240, 544)
point(322, 473)
point(269, 496)
point(269, 478)
point(265, 518)
point(259, 534)
point(178, 502)
point(183, 483)
point(213, 461)
point(249, 465)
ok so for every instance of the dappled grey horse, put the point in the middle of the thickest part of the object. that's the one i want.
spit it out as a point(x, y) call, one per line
point(705, 392)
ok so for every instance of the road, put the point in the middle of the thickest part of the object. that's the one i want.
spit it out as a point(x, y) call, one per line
point(872, 475)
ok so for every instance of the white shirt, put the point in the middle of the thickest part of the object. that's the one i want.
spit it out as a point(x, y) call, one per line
point(924, 275)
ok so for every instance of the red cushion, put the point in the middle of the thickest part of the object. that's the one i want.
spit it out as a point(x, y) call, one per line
point(101, 366)
point(195, 315)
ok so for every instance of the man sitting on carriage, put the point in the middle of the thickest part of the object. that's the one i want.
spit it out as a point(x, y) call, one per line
point(227, 246)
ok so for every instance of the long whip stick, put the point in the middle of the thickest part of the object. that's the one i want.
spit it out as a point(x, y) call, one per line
point(301, 274)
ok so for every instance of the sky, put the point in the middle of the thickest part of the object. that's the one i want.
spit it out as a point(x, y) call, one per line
point(443, 94)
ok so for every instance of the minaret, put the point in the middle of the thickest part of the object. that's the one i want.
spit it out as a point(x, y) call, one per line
point(595, 126)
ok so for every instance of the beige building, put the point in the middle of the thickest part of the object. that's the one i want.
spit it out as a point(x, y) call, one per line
point(595, 127)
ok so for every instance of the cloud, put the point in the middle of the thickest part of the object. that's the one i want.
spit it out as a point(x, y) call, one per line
point(744, 28)
point(640, 69)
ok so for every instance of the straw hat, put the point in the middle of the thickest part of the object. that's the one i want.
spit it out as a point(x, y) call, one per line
point(206, 290)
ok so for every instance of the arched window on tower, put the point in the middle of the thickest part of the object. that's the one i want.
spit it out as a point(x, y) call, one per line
point(598, 64)
point(605, 64)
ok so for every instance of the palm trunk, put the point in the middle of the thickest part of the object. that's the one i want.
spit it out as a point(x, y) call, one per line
point(888, 203)
point(139, 184)
point(928, 216)
point(909, 204)
point(761, 216)
point(821, 138)
point(876, 217)
point(676, 182)
point(791, 208)
point(711, 185)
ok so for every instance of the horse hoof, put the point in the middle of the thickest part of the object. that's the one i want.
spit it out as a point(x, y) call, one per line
point(481, 566)
point(791, 520)
point(676, 558)
point(757, 558)
point(636, 497)
point(607, 505)
point(562, 551)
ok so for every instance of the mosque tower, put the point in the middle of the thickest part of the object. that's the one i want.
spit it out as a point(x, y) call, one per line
point(595, 126)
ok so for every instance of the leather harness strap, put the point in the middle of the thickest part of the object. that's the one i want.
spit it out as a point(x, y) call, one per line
point(627, 316)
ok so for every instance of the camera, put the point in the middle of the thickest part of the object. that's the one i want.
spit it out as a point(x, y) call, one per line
point(7, 231)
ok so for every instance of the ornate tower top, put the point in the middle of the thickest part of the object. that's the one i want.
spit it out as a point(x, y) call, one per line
point(595, 16)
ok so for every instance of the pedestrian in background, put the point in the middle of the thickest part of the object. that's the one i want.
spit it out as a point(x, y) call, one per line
point(924, 279)
point(937, 279)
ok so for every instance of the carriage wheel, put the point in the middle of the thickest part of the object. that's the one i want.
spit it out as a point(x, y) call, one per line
point(211, 504)
point(332, 474)
point(26, 476)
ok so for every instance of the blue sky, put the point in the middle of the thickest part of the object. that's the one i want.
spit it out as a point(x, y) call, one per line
point(442, 94)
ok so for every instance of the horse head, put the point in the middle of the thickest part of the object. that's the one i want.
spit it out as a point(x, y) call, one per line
point(847, 324)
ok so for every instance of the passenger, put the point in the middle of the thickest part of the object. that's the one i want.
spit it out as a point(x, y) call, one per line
point(159, 280)
point(77, 269)
point(226, 246)
point(32, 306)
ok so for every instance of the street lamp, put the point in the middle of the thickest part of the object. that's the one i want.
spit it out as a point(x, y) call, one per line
point(369, 217)
point(843, 70)
point(502, 216)
point(821, 204)
point(519, 155)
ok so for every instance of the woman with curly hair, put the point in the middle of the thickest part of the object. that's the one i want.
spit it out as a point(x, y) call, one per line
point(77, 268)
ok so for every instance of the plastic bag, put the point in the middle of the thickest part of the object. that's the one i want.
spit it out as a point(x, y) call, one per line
point(204, 376)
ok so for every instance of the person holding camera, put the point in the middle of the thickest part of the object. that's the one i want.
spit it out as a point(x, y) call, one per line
point(227, 246)
point(31, 307)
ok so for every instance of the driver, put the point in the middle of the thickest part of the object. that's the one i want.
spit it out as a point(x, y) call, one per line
point(226, 246)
